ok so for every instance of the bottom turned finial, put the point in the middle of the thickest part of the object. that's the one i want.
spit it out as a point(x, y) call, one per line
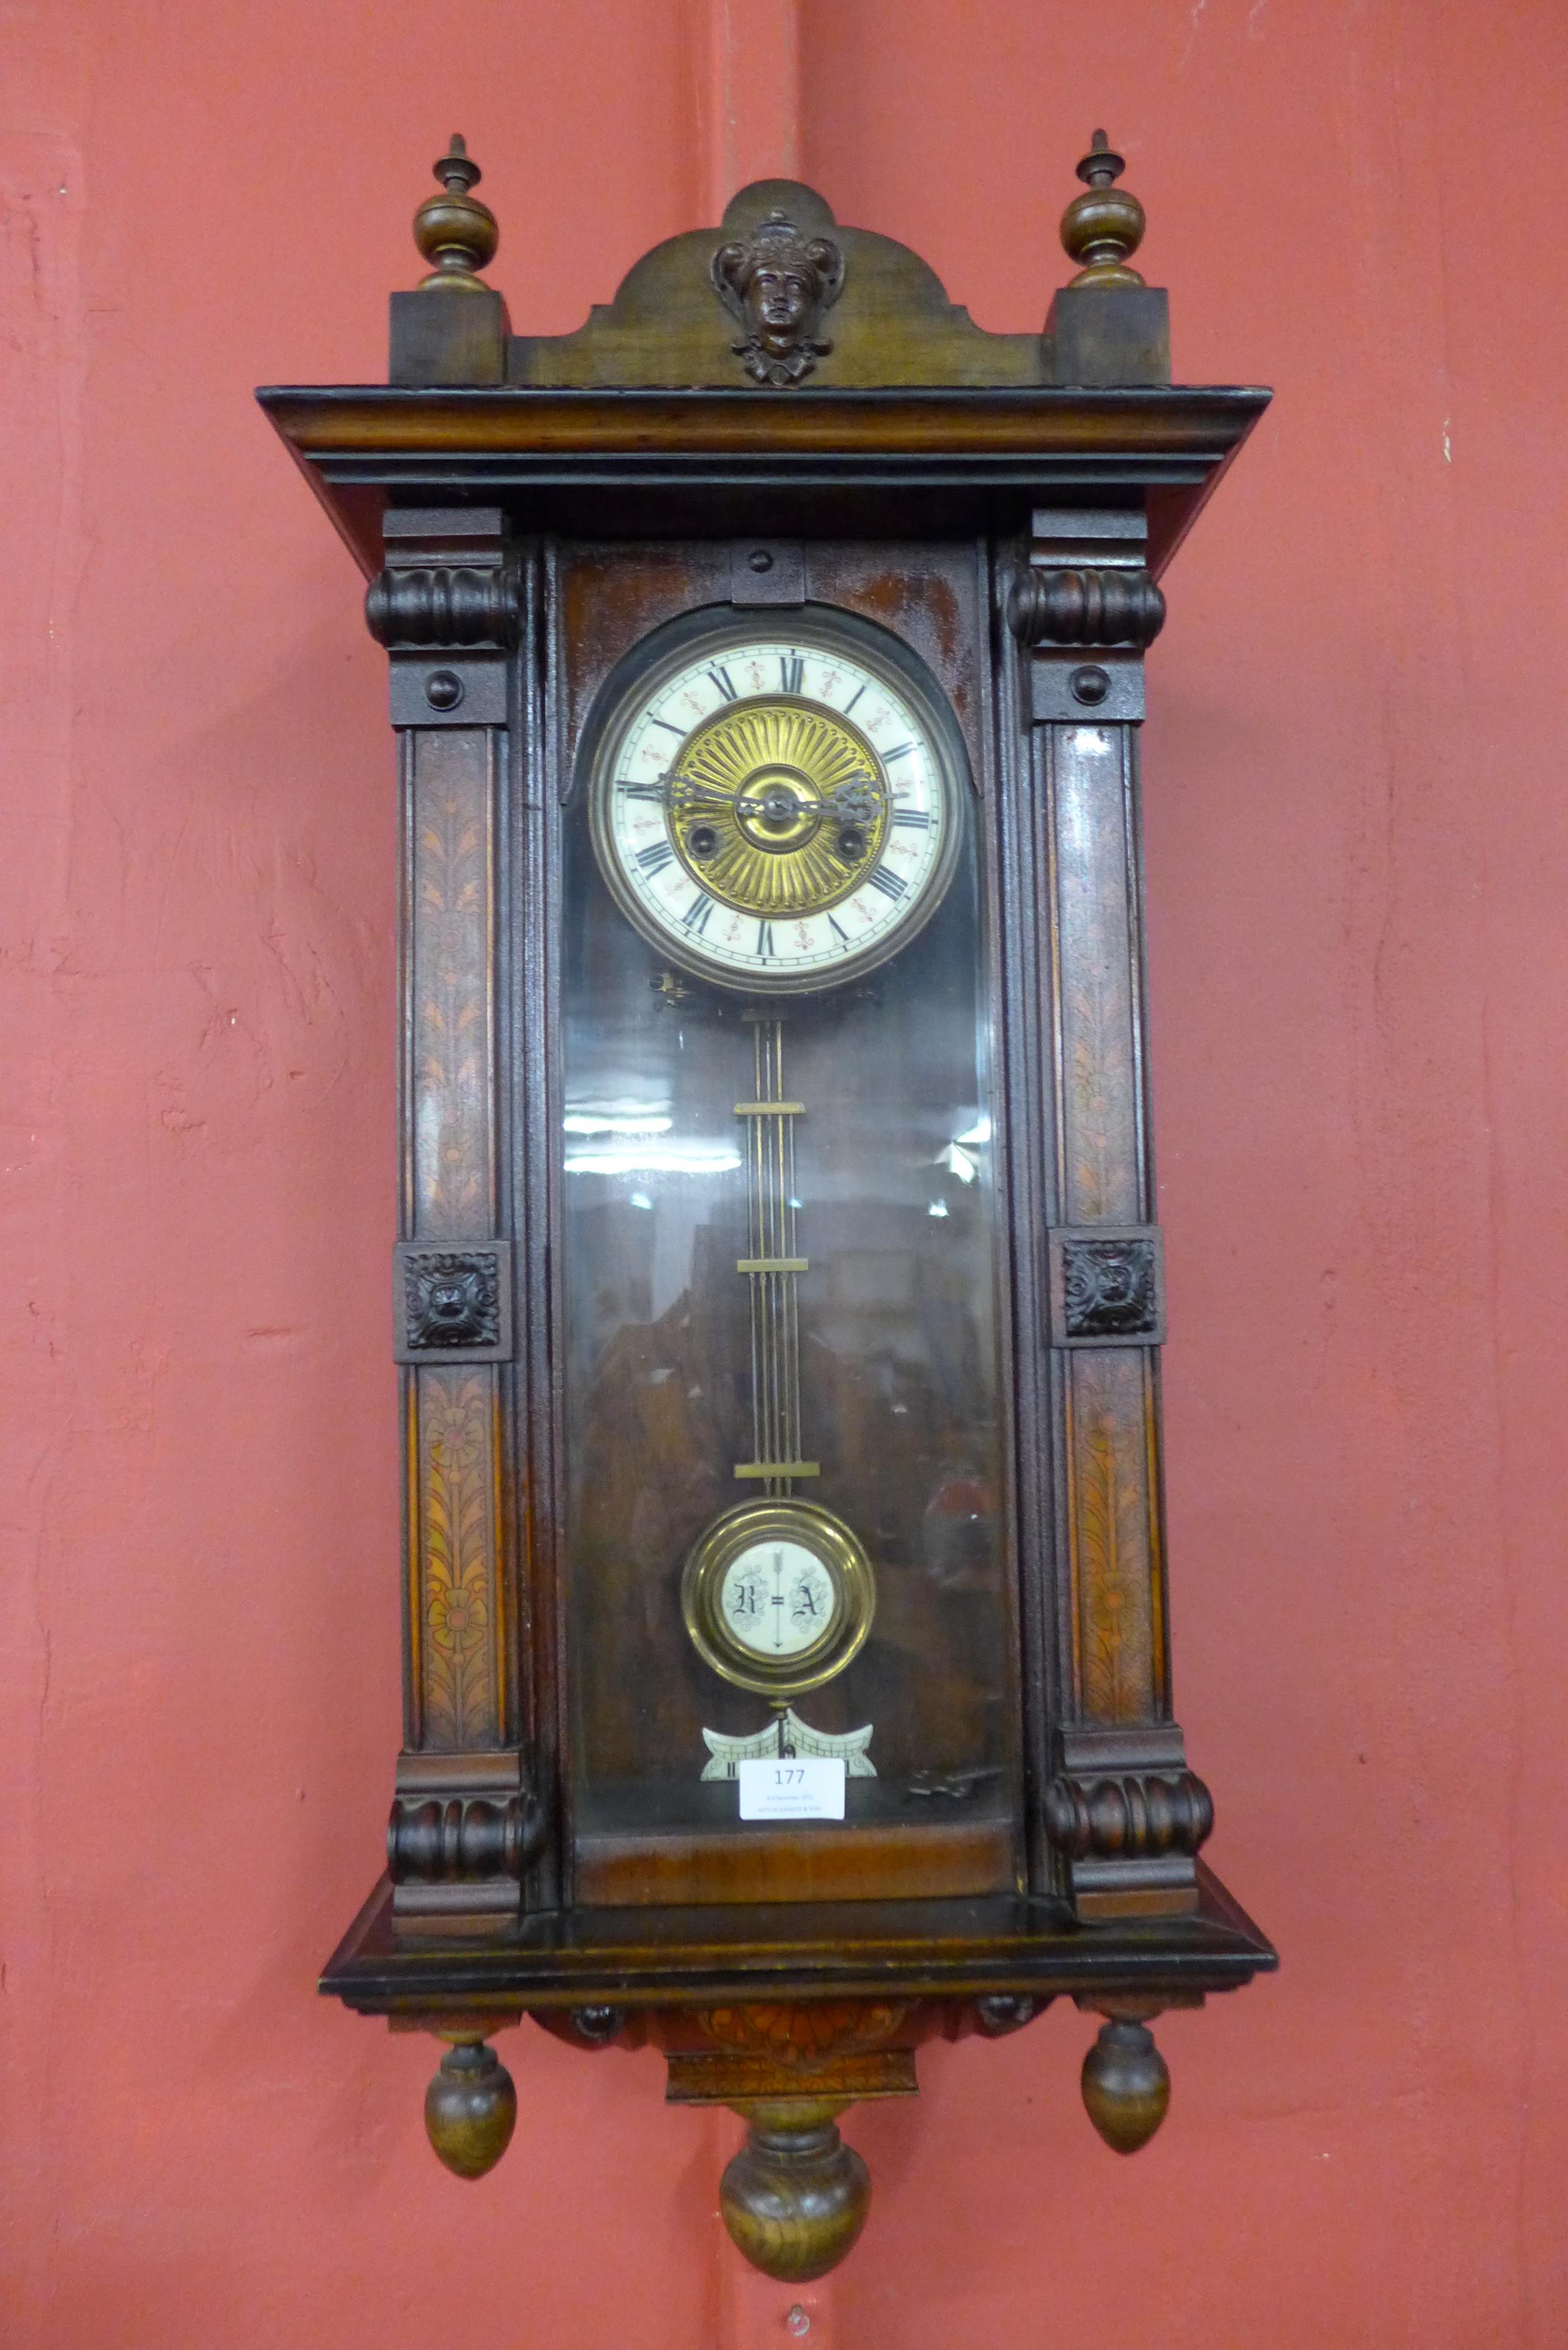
point(471, 2109)
point(1127, 2087)
point(794, 2199)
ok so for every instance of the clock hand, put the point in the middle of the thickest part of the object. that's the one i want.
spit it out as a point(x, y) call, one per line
point(856, 798)
point(861, 800)
point(684, 795)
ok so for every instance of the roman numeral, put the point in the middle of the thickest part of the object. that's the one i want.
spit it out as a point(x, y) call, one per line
point(837, 929)
point(792, 669)
point(888, 883)
point(695, 918)
point(726, 683)
point(667, 728)
point(640, 791)
point(764, 938)
point(854, 699)
point(899, 751)
point(917, 816)
point(654, 859)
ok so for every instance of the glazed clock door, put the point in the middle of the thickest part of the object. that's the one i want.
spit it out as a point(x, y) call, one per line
point(785, 1466)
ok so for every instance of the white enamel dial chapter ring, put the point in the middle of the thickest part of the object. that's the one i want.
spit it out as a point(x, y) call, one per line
point(777, 809)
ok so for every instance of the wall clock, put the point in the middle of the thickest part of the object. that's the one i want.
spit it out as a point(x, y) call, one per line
point(779, 1289)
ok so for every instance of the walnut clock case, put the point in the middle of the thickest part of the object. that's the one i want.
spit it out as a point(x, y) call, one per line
point(779, 1294)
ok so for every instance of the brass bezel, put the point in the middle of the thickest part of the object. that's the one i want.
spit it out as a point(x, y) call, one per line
point(817, 1529)
point(717, 631)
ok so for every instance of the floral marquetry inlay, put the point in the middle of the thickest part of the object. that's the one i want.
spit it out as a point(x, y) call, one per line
point(809, 2034)
point(456, 1441)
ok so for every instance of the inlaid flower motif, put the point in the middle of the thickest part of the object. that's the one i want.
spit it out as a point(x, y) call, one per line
point(458, 1617)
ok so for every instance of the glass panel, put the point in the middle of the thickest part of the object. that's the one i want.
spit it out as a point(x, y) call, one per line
point(882, 1190)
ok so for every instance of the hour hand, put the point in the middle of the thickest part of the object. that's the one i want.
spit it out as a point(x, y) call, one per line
point(682, 797)
point(855, 802)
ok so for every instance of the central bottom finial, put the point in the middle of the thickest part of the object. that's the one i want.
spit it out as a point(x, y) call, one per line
point(796, 2198)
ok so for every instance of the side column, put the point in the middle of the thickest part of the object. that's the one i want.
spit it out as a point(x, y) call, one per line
point(463, 1821)
point(1124, 1815)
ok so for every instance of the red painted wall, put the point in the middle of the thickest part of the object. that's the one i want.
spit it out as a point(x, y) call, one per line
point(1356, 834)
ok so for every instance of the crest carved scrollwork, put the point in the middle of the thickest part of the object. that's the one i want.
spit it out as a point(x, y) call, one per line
point(777, 284)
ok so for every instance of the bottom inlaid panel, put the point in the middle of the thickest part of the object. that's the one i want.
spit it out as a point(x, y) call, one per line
point(457, 1634)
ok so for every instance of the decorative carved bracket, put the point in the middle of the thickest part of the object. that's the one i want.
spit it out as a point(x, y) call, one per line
point(450, 588)
point(443, 1842)
point(414, 607)
point(1099, 606)
point(1128, 1819)
point(462, 1829)
point(1134, 1815)
point(1086, 585)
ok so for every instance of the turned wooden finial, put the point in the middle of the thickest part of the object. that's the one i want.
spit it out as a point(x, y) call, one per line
point(470, 2107)
point(455, 231)
point(1102, 226)
point(795, 2197)
point(1126, 2084)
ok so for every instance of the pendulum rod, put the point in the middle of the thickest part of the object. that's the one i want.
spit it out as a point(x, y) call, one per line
point(773, 1268)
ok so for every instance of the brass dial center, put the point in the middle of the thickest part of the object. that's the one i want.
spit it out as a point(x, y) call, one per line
point(778, 807)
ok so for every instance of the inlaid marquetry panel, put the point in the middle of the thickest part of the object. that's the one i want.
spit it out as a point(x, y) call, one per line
point(454, 1492)
point(1100, 1124)
point(1114, 1530)
point(457, 1639)
point(450, 1171)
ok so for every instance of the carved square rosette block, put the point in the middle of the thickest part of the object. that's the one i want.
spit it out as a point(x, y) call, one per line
point(452, 1304)
point(1107, 1285)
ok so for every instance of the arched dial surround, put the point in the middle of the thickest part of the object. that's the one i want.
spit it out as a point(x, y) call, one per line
point(777, 806)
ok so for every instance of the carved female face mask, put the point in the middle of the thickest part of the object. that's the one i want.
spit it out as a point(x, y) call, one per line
point(777, 284)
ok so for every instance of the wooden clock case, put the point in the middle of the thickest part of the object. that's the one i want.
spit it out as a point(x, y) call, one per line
point(526, 509)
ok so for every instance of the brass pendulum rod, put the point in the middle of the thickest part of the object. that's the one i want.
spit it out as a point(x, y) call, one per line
point(773, 1268)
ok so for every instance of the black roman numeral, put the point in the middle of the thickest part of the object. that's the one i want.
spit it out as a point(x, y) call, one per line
point(792, 671)
point(888, 883)
point(654, 859)
point(854, 699)
point(640, 791)
point(667, 728)
point(915, 816)
point(764, 938)
point(695, 918)
point(724, 680)
point(837, 928)
point(899, 751)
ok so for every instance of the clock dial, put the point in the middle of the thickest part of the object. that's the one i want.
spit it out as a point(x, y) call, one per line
point(777, 1598)
point(777, 810)
point(777, 1595)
